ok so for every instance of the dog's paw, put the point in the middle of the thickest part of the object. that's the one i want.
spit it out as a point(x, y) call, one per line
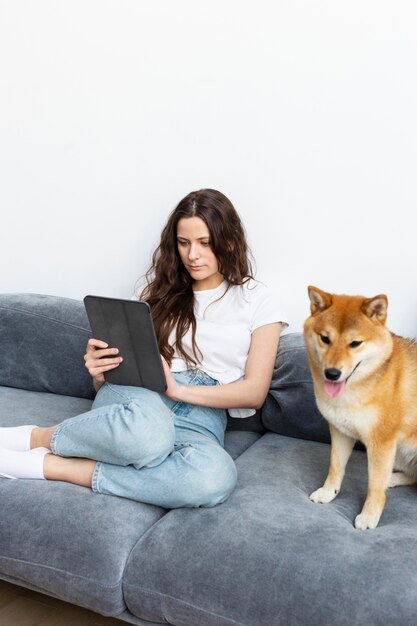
point(323, 495)
point(364, 521)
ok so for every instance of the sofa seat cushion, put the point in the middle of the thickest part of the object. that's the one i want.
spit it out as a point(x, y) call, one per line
point(268, 555)
point(68, 541)
point(18, 406)
point(236, 442)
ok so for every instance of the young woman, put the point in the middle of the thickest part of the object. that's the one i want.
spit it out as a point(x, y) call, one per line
point(218, 332)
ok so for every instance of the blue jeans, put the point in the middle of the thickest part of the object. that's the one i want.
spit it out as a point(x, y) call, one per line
point(151, 448)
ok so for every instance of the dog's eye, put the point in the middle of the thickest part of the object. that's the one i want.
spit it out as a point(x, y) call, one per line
point(355, 344)
point(325, 339)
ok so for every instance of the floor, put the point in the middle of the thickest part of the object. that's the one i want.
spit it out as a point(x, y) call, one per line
point(22, 607)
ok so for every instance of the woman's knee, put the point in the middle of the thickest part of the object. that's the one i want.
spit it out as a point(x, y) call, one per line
point(149, 436)
point(214, 485)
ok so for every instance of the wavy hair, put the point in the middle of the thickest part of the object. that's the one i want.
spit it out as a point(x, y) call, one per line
point(169, 289)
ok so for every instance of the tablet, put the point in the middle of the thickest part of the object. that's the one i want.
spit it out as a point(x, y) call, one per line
point(128, 326)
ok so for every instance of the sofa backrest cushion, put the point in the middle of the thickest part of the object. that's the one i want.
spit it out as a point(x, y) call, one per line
point(43, 340)
point(290, 407)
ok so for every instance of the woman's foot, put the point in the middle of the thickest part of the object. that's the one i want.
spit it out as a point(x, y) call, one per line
point(40, 463)
point(41, 437)
point(14, 464)
point(16, 437)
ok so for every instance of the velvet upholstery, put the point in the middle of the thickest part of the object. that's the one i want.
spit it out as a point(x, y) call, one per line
point(290, 408)
point(69, 541)
point(44, 338)
point(268, 556)
point(18, 407)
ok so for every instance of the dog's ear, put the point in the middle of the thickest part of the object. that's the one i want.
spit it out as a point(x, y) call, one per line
point(376, 308)
point(319, 300)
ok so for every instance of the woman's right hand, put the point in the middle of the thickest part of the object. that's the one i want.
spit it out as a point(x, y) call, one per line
point(99, 358)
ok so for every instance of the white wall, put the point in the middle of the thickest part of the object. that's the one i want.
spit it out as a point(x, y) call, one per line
point(303, 113)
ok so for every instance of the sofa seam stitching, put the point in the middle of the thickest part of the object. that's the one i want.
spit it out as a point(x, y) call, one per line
point(45, 391)
point(46, 317)
point(57, 569)
point(183, 602)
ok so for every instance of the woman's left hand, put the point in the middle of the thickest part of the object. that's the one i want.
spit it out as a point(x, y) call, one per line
point(172, 385)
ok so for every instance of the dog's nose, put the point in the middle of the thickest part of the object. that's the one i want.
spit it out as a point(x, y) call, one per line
point(332, 373)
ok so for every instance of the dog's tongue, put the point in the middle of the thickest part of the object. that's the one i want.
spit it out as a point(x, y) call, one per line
point(334, 389)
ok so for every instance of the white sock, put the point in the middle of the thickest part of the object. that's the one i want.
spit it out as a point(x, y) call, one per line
point(16, 437)
point(29, 464)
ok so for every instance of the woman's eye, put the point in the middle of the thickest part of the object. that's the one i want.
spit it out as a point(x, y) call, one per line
point(205, 243)
point(325, 339)
point(355, 344)
point(182, 243)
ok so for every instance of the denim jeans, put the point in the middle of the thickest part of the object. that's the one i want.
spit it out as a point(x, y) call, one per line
point(151, 448)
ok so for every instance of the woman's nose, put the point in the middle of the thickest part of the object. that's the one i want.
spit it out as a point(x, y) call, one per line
point(194, 252)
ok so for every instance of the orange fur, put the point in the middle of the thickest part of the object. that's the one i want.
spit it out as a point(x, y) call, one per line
point(373, 399)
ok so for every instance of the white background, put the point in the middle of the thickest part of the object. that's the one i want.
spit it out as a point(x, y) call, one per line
point(302, 112)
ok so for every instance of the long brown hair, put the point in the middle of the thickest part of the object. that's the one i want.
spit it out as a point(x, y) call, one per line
point(169, 290)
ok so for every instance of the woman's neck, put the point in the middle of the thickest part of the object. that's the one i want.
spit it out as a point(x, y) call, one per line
point(212, 282)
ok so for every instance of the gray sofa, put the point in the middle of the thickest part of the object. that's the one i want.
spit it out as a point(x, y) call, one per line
point(267, 556)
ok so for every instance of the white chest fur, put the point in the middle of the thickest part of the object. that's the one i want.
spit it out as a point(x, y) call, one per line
point(354, 421)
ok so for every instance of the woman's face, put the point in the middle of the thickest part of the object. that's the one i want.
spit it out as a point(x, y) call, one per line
point(193, 241)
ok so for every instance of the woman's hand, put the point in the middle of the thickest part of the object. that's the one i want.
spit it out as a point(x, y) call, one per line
point(99, 358)
point(172, 385)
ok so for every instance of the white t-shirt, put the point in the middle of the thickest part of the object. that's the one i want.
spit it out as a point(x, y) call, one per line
point(225, 322)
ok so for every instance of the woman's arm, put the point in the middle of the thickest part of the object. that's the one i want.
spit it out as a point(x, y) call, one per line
point(249, 392)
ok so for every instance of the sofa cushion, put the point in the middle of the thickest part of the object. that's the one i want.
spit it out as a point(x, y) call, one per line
point(290, 407)
point(44, 338)
point(68, 541)
point(268, 555)
point(18, 406)
point(236, 442)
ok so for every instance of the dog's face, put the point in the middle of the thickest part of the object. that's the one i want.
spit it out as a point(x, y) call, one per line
point(344, 337)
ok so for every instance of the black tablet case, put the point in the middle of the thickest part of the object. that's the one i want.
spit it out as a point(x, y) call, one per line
point(128, 326)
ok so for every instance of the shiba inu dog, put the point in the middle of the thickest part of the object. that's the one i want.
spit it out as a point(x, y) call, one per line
point(365, 383)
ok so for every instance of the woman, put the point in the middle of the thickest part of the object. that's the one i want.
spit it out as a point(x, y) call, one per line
point(218, 332)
